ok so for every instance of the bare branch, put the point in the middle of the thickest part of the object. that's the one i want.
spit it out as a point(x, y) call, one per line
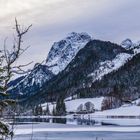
point(21, 33)
point(20, 72)
point(17, 50)
point(8, 67)
point(20, 66)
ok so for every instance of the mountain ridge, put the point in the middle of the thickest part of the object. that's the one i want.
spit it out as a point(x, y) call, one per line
point(75, 76)
point(87, 64)
point(69, 45)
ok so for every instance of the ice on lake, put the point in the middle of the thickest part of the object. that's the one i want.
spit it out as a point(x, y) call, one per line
point(53, 131)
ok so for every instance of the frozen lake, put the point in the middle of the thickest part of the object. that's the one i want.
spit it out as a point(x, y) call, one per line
point(80, 136)
point(72, 131)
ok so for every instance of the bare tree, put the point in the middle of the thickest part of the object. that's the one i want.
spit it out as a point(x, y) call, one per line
point(110, 102)
point(8, 68)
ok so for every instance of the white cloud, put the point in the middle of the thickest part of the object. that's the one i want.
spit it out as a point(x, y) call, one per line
point(53, 19)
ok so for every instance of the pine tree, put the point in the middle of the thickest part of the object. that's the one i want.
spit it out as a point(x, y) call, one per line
point(47, 110)
point(40, 110)
point(4, 128)
point(54, 111)
point(35, 110)
point(60, 107)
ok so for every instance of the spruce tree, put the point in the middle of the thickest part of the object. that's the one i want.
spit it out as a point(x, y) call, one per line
point(36, 110)
point(60, 107)
point(47, 110)
point(40, 110)
point(54, 111)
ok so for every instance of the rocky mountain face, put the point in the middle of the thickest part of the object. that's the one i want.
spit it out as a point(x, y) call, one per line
point(127, 43)
point(79, 65)
point(59, 57)
point(130, 45)
point(32, 82)
point(64, 51)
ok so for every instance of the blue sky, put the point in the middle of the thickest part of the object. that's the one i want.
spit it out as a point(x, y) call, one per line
point(52, 20)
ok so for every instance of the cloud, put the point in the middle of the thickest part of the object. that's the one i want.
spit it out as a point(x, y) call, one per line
point(52, 20)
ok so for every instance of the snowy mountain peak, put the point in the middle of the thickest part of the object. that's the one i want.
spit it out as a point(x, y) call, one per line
point(64, 51)
point(127, 43)
point(73, 36)
point(59, 57)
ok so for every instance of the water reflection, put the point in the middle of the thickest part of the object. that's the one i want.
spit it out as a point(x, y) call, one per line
point(85, 122)
point(59, 120)
point(76, 121)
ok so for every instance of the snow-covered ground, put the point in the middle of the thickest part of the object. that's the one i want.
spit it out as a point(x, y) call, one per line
point(130, 110)
point(124, 126)
point(126, 115)
point(72, 105)
point(124, 110)
point(123, 116)
point(40, 127)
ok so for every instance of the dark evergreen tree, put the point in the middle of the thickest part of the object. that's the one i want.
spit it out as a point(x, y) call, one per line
point(35, 110)
point(40, 110)
point(47, 110)
point(54, 111)
point(60, 107)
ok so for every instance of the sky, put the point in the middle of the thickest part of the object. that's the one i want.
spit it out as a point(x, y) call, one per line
point(113, 20)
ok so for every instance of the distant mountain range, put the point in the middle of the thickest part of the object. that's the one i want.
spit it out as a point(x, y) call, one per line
point(80, 65)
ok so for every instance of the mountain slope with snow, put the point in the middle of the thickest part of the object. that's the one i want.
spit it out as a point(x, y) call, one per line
point(126, 80)
point(74, 63)
point(110, 65)
point(59, 57)
point(32, 82)
point(97, 58)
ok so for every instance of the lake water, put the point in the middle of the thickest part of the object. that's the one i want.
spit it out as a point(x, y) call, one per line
point(71, 129)
point(75, 121)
